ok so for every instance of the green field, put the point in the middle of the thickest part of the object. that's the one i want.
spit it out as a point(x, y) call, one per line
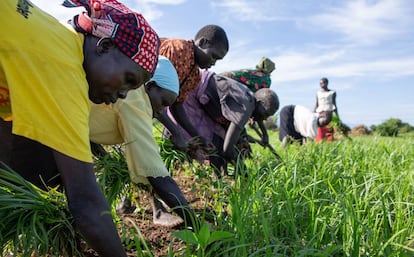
point(342, 198)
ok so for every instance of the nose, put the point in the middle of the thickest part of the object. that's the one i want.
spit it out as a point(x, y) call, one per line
point(122, 94)
point(213, 62)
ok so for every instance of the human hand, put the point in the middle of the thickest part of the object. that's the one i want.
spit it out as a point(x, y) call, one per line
point(199, 150)
point(179, 142)
point(265, 140)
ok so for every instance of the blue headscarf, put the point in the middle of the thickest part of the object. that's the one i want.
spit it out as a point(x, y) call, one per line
point(166, 76)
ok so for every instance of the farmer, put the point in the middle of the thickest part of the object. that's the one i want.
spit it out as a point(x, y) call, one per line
point(129, 122)
point(254, 79)
point(48, 74)
point(325, 101)
point(188, 57)
point(220, 108)
point(297, 123)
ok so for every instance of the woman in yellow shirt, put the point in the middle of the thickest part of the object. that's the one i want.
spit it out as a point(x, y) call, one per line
point(49, 73)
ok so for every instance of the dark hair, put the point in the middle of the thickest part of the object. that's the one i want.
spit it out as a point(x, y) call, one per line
point(327, 116)
point(268, 99)
point(215, 34)
point(325, 80)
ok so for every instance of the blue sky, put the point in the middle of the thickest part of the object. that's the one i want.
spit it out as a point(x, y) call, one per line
point(364, 47)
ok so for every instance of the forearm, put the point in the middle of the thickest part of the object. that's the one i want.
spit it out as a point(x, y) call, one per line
point(168, 123)
point(176, 136)
point(265, 136)
point(88, 206)
point(178, 111)
point(230, 139)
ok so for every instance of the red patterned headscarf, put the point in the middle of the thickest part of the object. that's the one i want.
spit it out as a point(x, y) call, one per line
point(129, 30)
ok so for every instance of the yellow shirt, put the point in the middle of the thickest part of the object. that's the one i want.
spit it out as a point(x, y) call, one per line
point(42, 81)
point(129, 122)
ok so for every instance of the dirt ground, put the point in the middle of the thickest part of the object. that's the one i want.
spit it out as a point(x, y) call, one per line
point(158, 238)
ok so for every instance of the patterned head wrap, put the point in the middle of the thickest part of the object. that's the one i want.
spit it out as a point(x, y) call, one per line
point(265, 65)
point(129, 30)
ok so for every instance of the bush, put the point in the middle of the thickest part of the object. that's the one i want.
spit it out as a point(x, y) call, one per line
point(392, 127)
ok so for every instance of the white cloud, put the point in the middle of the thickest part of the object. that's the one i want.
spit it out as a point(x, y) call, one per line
point(367, 22)
point(164, 2)
point(244, 10)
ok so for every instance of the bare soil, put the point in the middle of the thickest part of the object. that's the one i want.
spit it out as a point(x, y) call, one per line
point(158, 238)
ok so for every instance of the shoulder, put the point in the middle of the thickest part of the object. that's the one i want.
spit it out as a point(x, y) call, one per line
point(176, 43)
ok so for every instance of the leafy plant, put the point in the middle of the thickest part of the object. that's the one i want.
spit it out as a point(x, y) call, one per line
point(34, 220)
point(202, 239)
point(112, 174)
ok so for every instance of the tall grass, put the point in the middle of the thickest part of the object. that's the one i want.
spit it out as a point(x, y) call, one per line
point(34, 221)
point(344, 198)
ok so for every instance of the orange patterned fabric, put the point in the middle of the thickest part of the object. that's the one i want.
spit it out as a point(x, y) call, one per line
point(181, 54)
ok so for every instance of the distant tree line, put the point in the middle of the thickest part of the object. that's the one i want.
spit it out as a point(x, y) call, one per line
point(392, 127)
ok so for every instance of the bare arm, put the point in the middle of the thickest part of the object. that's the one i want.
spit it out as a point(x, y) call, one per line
point(88, 206)
point(230, 139)
point(176, 136)
point(264, 136)
point(316, 104)
point(334, 103)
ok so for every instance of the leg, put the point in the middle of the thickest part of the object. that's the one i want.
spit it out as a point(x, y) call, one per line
point(285, 142)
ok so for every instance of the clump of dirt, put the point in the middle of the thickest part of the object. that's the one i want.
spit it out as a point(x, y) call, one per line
point(360, 130)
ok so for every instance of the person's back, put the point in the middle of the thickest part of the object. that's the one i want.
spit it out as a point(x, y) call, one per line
point(219, 108)
point(254, 79)
point(297, 123)
point(188, 57)
point(305, 121)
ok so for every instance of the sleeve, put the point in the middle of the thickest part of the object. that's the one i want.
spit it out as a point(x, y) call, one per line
point(136, 126)
point(47, 86)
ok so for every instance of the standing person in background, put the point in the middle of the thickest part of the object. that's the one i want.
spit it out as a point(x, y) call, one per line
point(188, 57)
point(254, 79)
point(50, 72)
point(129, 122)
point(297, 123)
point(325, 101)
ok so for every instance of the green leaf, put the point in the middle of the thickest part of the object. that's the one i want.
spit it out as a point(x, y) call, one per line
point(187, 236)
point(204, 235)
point(220, 235)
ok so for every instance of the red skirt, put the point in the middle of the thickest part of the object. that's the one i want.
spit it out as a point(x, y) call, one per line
point(325, 133)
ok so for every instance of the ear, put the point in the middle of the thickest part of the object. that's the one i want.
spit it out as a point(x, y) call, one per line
point(104, 44)
point(203, 43)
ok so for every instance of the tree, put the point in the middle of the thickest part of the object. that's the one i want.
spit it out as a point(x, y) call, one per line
point(391, 127)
